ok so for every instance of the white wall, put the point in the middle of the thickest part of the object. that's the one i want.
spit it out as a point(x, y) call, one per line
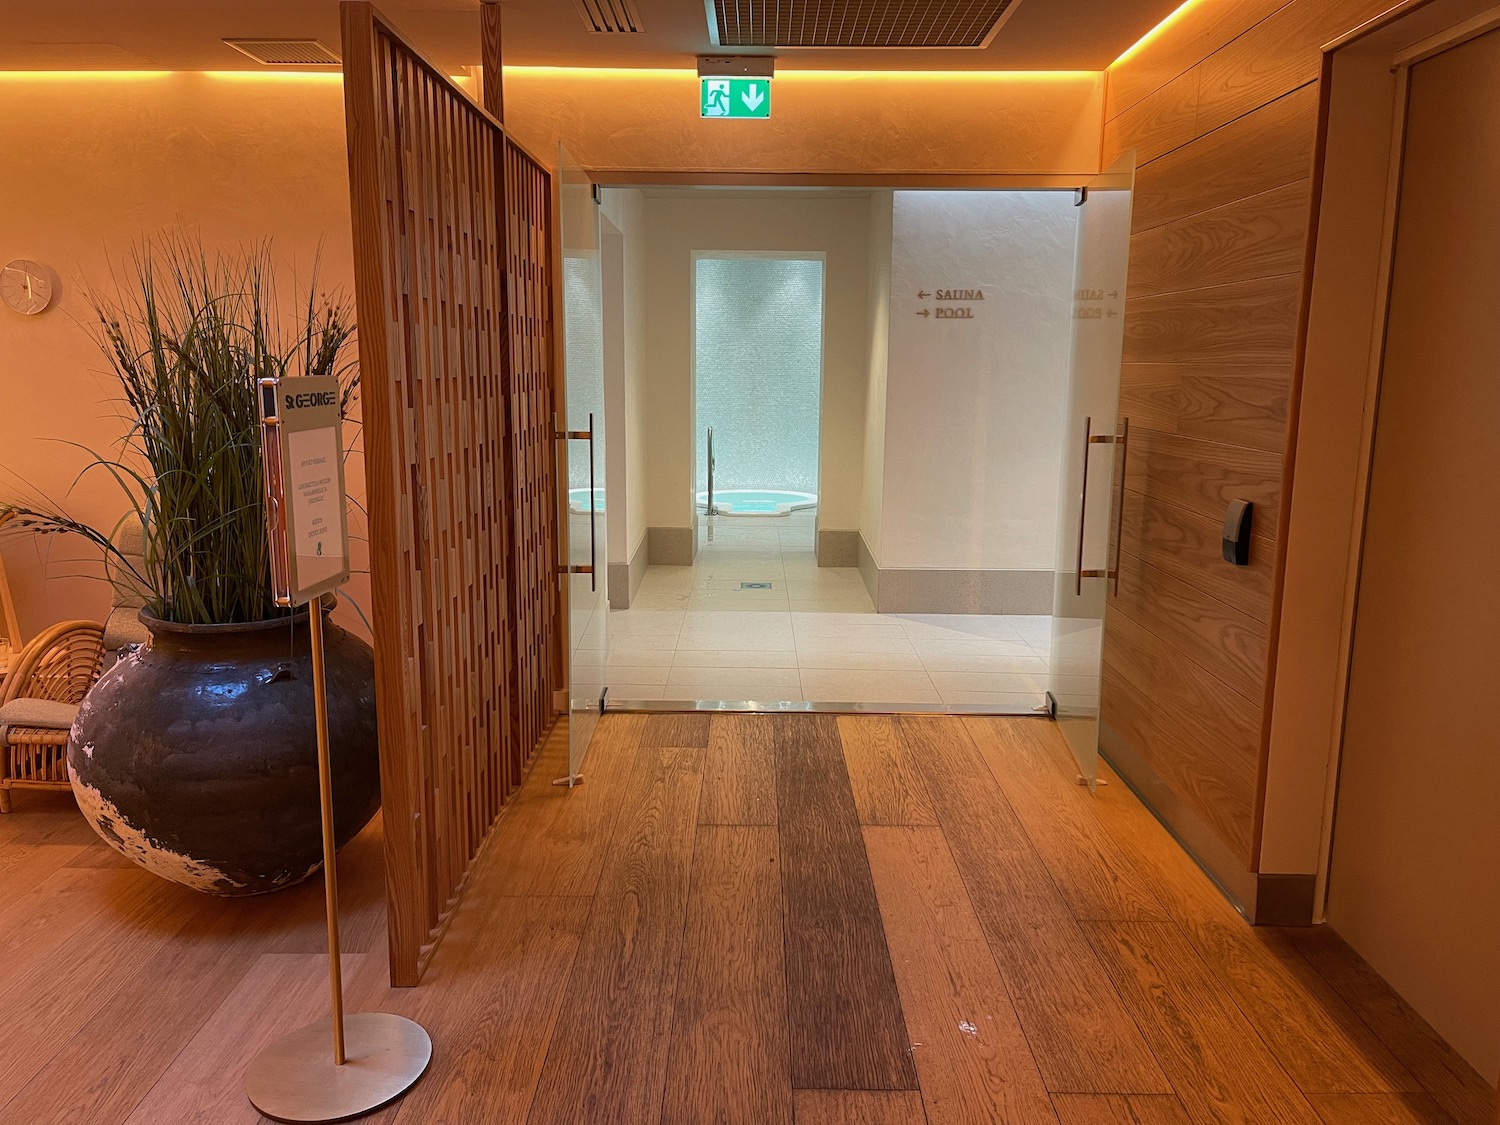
point(973, 429)
point(101, 160)
point(679, 223)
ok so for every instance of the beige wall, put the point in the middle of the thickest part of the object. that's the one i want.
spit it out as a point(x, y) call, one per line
point(1415, 881)
point(881, 236)
point(95, 163)
point(625, 208)
point(836, 224)
point(622, 120)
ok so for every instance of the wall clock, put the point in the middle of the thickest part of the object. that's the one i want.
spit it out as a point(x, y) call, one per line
point(26, 286)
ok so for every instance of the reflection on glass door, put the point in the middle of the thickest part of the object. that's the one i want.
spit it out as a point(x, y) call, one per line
point(1095, 447)
point(581, 453)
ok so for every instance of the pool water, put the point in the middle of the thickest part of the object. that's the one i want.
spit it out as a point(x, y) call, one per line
point(578, 499)
point(758, 501)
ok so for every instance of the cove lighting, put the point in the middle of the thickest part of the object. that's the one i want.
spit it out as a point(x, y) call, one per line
point(815, 75)
point(1172, 17)
point(273, 75)
point(81, 75)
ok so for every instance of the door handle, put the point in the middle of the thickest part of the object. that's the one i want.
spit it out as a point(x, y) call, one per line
point(593, 515)
point(1089, 438)
point(588, 436)
point(1114, 574)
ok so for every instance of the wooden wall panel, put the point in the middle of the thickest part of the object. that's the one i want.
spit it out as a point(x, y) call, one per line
point(1244, 404)
point(1198, 774)
point(1261, 236)
point(1263, 150)
point(1157, 124)
point(1281, 53)
point(1187, 546)
point(1247, 322)
point(464, 635)
point(1225, 643)
point(1215, 297)
point(1203, 476)
point(1190, 38)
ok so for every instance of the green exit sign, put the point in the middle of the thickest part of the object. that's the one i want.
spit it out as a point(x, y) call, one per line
point(735, 97)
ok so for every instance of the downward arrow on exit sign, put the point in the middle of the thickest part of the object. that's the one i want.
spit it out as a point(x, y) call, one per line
point(735, 97)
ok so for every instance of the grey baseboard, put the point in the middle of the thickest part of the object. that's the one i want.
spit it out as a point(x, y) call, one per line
point(671, 546)
point(869, 570)
point(1264, 898)
point(950, 591)
point(625, 578)
point(838, 547)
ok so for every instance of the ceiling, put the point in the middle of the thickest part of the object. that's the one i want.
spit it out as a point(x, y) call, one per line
point(187, 34)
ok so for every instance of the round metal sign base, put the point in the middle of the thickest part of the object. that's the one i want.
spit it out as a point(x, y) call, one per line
point(295, 1079)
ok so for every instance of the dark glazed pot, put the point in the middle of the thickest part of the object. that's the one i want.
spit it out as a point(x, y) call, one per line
point(196, 755)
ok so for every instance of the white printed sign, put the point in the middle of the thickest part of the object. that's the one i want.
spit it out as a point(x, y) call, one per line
point(317, 505)
point(306, 510)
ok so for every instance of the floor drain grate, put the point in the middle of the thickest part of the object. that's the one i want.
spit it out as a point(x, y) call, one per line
point(755, 585)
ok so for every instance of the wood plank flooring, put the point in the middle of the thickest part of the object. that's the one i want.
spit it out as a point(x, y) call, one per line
point(737, 920)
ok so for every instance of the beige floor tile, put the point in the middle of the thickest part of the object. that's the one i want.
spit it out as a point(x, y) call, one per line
point(869, 640)
point(1001, 700)
point(868, 686)
point(989, 681)
point(698, 658)
point(637, 673)
point(625, 693)
point(958, 661)
point(642, 622)
point(623, 654)
point(861, 661)
point(771, 684)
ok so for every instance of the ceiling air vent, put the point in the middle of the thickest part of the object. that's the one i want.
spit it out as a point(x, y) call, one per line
point(285, 52)
point(858, 23)
point(612, 17)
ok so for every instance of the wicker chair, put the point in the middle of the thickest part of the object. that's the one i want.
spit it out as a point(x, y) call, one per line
point(10, 628)
point(39, 701)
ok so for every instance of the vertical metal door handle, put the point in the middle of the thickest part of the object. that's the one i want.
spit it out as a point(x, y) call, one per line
point(593, 518)
point(709, 508)
point(1114, 574)
point(1083, 507)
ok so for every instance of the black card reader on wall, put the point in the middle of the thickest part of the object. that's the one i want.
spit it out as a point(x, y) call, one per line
point(1237, 532)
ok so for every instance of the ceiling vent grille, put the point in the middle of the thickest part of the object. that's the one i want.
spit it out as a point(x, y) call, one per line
point(858, 23)
point(612, 17)
point(285, 52)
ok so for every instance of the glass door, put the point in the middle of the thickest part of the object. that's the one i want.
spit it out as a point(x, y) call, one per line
point(1095, 447)
point(581, 458)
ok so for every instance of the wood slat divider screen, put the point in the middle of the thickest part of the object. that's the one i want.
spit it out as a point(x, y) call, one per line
point(452, 275)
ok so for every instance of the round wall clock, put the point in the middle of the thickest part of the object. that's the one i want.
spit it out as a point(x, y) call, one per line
point(26, 286)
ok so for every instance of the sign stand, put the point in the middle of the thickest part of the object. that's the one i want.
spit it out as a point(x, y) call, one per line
point(377, 1056)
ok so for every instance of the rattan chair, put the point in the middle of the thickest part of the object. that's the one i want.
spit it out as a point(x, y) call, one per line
point(39, 702)
point(10, 627)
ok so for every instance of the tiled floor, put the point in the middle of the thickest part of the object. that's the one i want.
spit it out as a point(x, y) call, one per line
point(694, 633)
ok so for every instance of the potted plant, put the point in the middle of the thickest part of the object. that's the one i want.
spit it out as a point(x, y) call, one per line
point(195, 753)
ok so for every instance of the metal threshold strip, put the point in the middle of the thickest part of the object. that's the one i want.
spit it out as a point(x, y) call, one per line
point(798, 707)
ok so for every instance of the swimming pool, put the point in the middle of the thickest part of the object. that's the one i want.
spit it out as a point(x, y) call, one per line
point(758, 502)
point(578, 499)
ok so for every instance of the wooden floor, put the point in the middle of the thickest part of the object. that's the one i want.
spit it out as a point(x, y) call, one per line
point(743, 919)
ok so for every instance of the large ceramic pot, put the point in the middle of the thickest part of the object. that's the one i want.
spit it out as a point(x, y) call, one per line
point(196, 755)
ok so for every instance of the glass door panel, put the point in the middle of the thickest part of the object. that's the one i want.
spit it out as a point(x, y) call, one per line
point(581, 457)
point(1095, 446)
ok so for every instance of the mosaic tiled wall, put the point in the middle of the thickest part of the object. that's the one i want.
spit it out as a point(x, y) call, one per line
point(758, 362)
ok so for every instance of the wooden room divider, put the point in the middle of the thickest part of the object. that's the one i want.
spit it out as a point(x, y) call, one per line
point(453, 277)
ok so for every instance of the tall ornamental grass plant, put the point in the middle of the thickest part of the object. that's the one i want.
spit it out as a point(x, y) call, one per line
point(188, 334)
